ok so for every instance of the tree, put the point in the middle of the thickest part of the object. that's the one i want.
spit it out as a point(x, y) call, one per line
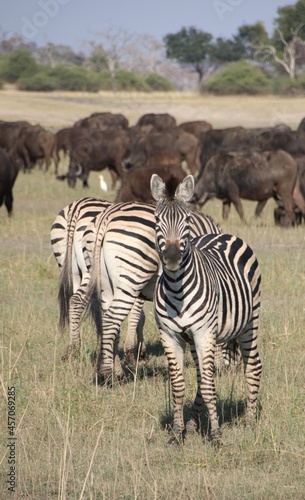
point(54, 55)
point(250, 36)
point(189, 47)
point(293, 51)
point(226, 50)
point(288, 20)
point(113, 45)
point(98, 59)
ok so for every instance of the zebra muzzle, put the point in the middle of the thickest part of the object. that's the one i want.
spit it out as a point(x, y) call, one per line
point(172, 257)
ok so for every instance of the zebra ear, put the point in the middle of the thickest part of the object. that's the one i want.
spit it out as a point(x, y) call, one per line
point(185, 190)
point(157, 187)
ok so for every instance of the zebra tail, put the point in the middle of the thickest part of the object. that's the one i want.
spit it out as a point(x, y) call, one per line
point(92, 244)
point(65, 290)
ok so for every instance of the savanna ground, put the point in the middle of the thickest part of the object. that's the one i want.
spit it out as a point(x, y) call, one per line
point(79, 441)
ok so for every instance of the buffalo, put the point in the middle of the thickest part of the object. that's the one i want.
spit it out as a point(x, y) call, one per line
point(103, 121)
point(197, 127)
point(8, 174)
point(174, 140)
point(93, 149)
point(158, 121)
point(9, 131)
point(34, 143)
point(253, 175)
point(136, 181)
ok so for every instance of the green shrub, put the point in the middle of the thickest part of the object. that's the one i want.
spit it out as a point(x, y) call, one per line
point(40, 81)
point(75, 78)
point(158, 82)
point(129, 80)
point(283, 85)
point(104, 80)
point(237, 78)
point(16, 65)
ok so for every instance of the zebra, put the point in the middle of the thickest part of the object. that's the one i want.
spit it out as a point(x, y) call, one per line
point(66, 239)
point(208, 292)
point(119, 249)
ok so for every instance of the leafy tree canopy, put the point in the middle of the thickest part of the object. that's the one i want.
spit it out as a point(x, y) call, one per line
point(250, 36)
point(190, 47)
point(289, 19)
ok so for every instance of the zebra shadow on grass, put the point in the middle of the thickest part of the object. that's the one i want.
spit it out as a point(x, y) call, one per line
point(230, 412)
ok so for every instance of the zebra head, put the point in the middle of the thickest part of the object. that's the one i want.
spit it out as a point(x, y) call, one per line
point(172, 216)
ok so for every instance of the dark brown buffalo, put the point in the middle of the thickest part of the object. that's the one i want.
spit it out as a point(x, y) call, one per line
point(252, 175)
point(8, 173)
point(9, 132)
point(103, 121)
point(159, 121)
point(136, 182)
point(33, 144)
point(93, 149)
point(196, 128)
point(63, 140)
point(292, 141)
point(174, 140)
point(212, 141)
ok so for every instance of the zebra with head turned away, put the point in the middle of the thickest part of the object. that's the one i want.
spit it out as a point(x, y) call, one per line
point(66, 239)
point(119, 248)
point(208, 292)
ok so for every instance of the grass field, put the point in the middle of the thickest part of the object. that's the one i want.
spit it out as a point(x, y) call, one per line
point(78, 441)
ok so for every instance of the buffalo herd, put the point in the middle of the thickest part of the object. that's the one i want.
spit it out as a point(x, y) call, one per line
point(230, 164)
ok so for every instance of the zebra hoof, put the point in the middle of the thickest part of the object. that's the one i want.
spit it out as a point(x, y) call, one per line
point(216, 438)
point(175, 442)
point(104, 379)
point(70, 355)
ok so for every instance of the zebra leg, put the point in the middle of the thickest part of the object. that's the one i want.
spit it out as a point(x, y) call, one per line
point(77, 305)
point(193, 422)
point(203, 355)
point(252, 369)
point(136, 321)
point(108, 364)
point(174, 351)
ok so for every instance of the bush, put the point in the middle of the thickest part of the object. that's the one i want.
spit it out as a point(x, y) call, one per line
point(237, 78)
point(75, 78)
point(16, 65)
point(40, 81)
point(158, 82)
point(283, 85)
point(104, 80)
point(129, 80)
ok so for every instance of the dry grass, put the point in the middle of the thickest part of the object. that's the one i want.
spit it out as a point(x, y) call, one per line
point(61, 109)
point(78, 441)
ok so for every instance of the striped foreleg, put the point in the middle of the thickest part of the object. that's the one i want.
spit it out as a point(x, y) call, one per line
point(174, 350)
point(203, 355)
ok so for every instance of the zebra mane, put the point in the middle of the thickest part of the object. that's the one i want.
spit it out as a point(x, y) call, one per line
point(170, 188)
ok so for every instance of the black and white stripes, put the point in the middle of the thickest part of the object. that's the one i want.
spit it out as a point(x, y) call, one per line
point(208, 293)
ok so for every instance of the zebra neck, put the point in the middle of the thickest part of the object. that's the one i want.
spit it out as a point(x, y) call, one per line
point(176, 278)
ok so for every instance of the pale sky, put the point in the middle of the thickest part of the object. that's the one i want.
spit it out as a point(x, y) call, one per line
point(74, 22)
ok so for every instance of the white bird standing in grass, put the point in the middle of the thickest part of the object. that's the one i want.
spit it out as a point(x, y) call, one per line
point(103, 183)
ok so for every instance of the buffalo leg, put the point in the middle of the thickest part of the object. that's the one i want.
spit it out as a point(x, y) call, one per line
point(260, 207)
point(226, 205)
